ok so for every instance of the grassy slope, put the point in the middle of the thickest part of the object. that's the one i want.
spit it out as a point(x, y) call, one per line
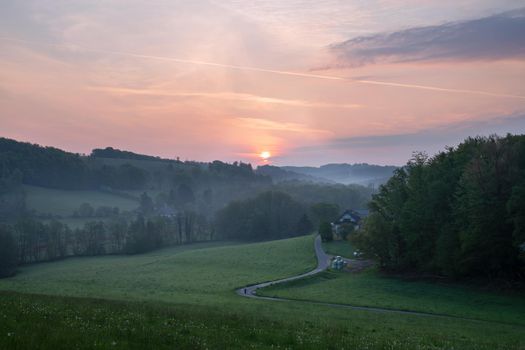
point(342, 248)
point(369, 289)
point(183, 297)
point(63, 203)
point(178, 274)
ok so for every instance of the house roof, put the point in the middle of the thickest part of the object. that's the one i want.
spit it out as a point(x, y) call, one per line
point(165, 210)
point(349, 216)
point(362, 212)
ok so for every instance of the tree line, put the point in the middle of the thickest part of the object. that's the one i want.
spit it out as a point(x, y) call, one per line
point(460, 213)
point(32, 241)
point(272, 215)
point(110, 152)
point(344, 196)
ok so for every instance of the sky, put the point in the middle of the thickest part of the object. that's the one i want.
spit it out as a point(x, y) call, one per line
point(309, 81)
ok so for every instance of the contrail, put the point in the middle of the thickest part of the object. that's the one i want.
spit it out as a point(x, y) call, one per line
point(435, 88)
point(179, 60)
point(271, 71)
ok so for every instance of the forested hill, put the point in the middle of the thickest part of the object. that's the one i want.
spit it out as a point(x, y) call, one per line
point(50, 167)
point(42, 166)
point(363, 174)
point(460, 213)
point(209, 186)
point(279, 174)
point(110, 152)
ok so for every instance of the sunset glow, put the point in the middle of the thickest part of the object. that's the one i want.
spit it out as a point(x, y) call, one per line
point(265, 155)
point(212, 80)
point(200, 152)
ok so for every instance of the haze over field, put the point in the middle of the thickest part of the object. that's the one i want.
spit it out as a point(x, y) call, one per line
point(308, 82)
point(262, 174)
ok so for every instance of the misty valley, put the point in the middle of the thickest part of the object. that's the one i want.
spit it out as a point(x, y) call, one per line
point(268, 174)
point(131, 251)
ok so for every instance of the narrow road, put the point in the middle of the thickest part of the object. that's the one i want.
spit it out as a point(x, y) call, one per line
point(323, 262)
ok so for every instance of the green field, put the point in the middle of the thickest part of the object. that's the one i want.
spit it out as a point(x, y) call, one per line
point(64, 203)
point(370, 289)
point(342, 248)
point(183, 297)
point(198, 273)
point(42, 322)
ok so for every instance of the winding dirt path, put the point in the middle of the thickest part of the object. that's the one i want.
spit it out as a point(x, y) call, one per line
point(323, 262)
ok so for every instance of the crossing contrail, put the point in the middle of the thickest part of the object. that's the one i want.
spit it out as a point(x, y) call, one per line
point(271, 71)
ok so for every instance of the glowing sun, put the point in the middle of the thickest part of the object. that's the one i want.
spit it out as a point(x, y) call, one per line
point(265, 155)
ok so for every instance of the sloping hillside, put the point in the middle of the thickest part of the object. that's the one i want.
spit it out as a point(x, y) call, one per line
point(362, 174)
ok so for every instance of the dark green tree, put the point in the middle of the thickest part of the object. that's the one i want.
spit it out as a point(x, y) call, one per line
point(516, 210)
point(8, 252)
point(85, 211)
point(325, 212)
point(304, 226)
point(185, 194)
point(146, 206)
point(325, 231)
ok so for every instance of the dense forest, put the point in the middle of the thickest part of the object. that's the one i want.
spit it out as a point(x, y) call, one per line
point(271, 215)
point(460, 213)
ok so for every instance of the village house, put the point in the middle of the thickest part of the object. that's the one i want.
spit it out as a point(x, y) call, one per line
point(349, 221)
point(166, 211)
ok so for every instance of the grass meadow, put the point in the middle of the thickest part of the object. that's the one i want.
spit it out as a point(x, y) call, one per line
point(202, 273)
point(184, 297)
point(46, 322)
point(369, 288)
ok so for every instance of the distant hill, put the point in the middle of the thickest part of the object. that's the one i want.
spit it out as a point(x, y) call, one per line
point(46, 172)
point(280, 175)
point(32, 164)
point(362, 174)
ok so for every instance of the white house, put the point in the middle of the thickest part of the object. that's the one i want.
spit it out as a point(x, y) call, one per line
point(349, 217)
